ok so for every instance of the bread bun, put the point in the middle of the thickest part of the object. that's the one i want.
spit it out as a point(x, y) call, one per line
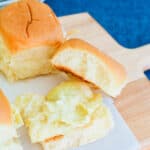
point(87, 62)
point(5, 110)
point(29, 23)
point(29, 35)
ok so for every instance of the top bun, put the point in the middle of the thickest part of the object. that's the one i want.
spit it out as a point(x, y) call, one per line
point(87, 62)
point(5, 110)
point(28, 23)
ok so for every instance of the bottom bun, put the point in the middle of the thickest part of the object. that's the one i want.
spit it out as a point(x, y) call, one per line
point(97, 129)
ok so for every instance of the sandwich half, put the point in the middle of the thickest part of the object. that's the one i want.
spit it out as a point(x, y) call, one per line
point(86, 62)
point(29, 35)
point(10, 120)
point(70, 115)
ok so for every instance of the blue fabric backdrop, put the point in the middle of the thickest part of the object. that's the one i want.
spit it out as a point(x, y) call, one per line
point(128, 21)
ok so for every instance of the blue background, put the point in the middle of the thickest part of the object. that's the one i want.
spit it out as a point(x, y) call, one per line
point(128, 21)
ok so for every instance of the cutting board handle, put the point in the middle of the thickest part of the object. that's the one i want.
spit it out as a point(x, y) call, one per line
point(142, 56)
point(136, 61)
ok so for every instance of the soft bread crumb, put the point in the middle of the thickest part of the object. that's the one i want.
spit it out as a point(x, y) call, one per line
point(96, 130)
point(85, 61)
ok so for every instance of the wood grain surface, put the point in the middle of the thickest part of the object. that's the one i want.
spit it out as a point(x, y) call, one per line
point(134, 101)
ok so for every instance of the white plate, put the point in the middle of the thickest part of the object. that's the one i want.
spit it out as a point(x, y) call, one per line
point(120, 138)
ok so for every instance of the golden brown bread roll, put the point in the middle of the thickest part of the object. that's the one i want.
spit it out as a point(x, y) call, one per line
point(29, 34)
point(5, 110)
point(9, 121)
point(88, 63)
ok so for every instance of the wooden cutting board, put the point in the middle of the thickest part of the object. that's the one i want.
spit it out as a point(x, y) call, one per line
point(134, 101)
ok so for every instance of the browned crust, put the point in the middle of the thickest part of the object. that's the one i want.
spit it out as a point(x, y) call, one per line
point(116, 69)
point(5, 110)
point(28, 23)
point(55, 138)
point(66, 70)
